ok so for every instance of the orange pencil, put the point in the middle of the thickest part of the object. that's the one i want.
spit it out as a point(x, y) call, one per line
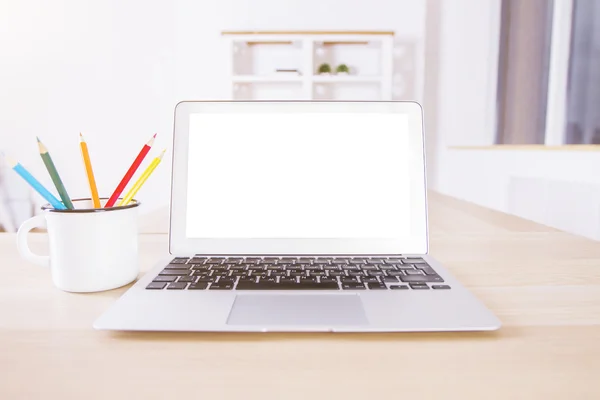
point(89, 171)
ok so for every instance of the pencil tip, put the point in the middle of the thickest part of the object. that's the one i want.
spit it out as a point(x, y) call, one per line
point(154, 136)
point(38, 139)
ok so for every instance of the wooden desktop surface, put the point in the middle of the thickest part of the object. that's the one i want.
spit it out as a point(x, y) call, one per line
point(543, 284)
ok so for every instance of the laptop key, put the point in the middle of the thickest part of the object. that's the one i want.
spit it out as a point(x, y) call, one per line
point(394, 273)
point(164, 278)
point(376, 286)
point(328, 280)
point(370, 268)
point(390, 279)
point(287, 286)
point(357, 273)
point(179, 260)
point(221, 286)
point(198, 286)
point(426, 269)
point(357, 261)
point(369, 279)
point(398, 287)
point(187, 279)
point(353, 286)
point(421, 278)
point(414, 261)
point(175, 272)
point(179, 266)
point(177, 286)
point(417, 286)
point(156, 285)
point(440, 287)
point(414, 272)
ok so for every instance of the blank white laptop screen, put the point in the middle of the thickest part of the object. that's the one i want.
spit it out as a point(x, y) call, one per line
point(298, 175)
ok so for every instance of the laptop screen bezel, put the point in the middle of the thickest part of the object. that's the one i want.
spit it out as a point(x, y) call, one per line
point(415, 243)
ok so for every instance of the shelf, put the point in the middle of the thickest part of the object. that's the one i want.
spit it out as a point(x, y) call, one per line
point(267, 78)
point(346, 78)
point(386, 33)
point(263, 42)
point(330, 43)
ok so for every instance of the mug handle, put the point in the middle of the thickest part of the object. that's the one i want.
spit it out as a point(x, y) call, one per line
point(38, 221)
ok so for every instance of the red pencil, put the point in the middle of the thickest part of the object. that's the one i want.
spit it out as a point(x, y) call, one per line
point(136, 163)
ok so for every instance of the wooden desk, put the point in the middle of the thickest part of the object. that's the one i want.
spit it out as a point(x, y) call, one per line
point(542, 283)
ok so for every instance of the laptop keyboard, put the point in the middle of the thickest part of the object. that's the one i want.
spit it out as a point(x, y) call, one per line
point(297, 273)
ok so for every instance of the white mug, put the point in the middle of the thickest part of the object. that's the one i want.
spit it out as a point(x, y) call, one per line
point(90, 249)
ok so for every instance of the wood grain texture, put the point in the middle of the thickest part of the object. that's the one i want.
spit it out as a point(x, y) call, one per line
point(543, 284)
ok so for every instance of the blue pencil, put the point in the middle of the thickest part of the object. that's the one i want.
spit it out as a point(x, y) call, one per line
point(35, 184)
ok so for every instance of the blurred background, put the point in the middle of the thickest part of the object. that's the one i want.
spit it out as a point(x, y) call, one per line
point(510, 88)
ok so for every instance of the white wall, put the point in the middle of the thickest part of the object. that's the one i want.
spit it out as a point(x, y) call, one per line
point(115, 69)
point(465, 68)
point(556, 188)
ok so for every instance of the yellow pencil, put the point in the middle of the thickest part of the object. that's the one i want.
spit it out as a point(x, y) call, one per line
point(89, 171)
point(141, 180)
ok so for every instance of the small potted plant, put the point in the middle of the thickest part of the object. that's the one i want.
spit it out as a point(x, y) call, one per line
point(324, 69)
point(342, 69)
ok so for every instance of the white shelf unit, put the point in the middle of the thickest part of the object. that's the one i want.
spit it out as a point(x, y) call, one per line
point(255, 57)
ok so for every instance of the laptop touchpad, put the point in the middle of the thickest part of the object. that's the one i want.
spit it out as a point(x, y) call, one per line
point(284, 309)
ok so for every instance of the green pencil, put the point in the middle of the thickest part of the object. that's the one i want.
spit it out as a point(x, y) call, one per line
point(54, 175)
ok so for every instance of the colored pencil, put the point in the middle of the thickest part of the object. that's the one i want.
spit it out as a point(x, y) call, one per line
point(60, 187)
point(34, 183)
point(89, 171)
point(129, 174)
point(141, 180)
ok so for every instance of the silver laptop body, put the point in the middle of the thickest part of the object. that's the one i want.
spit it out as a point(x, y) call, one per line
point(298, 216)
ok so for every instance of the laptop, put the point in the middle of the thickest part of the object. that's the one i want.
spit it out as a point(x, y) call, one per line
point(298, 216)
